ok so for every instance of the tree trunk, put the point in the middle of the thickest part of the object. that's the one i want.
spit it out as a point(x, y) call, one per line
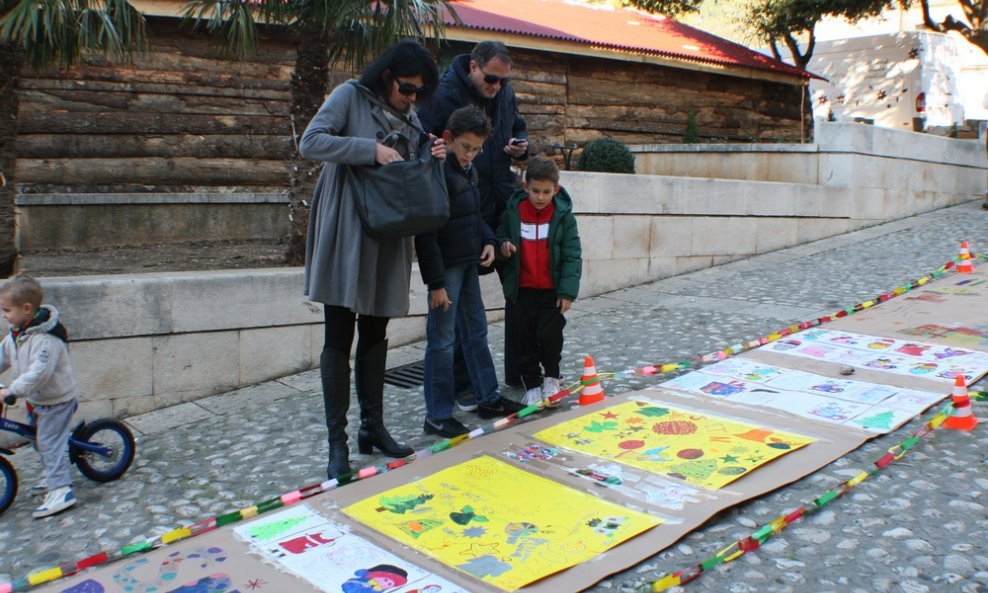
point(309, 84)
point(801, 60)
point(11, 60)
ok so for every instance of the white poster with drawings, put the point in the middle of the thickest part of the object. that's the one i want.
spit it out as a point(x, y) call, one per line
point(873, 407)
point(332, 558)
point(903, 357)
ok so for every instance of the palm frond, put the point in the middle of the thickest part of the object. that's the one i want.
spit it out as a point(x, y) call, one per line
point(362, 29)
point(58, 32)
point(232, 22)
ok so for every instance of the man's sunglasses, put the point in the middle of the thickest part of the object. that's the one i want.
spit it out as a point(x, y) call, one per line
point(491, 79)
point(408, 89)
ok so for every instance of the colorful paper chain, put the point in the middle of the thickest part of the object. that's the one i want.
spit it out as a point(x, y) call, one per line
point(70, 568)
point(762, 534)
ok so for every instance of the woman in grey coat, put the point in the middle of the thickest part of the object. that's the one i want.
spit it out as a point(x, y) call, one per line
point(362, 281)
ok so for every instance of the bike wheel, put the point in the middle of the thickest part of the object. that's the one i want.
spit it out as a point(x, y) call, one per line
point(109, 433)
point(8, 484)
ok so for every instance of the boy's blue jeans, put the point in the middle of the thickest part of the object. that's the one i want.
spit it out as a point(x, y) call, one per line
point(466, 321)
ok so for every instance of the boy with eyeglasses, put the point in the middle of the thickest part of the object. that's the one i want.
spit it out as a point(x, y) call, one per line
point(482, 78)
point(448, 260)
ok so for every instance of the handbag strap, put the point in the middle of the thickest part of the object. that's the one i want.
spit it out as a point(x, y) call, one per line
point(373, 98)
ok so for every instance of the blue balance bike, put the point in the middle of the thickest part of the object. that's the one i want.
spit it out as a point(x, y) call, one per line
point(102, 450)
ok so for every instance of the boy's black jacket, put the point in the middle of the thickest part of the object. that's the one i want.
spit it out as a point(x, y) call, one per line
point(463, 237)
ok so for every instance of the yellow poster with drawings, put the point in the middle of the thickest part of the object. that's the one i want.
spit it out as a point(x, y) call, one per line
point(499, 523)
point(702, 449)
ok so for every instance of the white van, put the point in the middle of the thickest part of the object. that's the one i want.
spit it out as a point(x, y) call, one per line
point(914, 80)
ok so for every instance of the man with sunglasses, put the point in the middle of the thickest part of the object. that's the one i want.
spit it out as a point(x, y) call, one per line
point(483, 78)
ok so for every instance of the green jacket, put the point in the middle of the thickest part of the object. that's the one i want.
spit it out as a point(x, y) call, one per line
point(565, 253)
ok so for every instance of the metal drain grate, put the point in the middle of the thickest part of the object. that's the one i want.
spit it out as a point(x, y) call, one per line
point(406, 376)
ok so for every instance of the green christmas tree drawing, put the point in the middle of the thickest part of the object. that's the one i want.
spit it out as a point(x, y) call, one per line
point(696, 471)
point(883, 420)
point(400, 504)
point(269, 531)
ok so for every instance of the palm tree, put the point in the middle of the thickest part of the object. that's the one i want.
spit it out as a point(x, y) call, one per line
point(326, 32)
point(56, 33)
point(51, 33)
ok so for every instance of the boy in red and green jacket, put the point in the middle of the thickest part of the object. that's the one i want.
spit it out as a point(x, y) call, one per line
point(539, 239)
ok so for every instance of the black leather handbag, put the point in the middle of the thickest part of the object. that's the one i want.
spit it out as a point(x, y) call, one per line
point(404, 198)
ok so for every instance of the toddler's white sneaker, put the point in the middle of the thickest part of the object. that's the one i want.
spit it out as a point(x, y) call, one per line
point(56, 501)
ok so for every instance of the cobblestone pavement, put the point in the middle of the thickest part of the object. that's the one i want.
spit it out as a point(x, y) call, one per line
point(920, 526)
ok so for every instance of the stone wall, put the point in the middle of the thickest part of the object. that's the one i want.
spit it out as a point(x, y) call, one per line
point(569, 99)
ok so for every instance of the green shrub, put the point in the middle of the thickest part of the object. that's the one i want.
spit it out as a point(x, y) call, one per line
point(607, 155)
point(692, 134)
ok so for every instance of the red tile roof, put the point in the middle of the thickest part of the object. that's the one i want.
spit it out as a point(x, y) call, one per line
point(616, 29)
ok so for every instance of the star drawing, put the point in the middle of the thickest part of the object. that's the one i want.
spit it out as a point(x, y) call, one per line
point(253, 584)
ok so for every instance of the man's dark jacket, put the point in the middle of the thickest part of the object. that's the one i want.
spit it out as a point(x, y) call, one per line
point(496, 181)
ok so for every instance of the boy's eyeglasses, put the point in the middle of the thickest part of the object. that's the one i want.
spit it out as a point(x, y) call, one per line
point(492, 79)
point(466, 148)
point(408, 89)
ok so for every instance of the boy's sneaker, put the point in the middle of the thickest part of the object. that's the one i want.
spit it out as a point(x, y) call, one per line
point(550, 387)
point(499, 408)
point(467, 402)
point(56, 501)
point(447, 428)
point(532, 396)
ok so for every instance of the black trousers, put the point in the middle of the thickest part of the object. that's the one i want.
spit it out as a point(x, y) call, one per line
point(340, 325)
point(538, 335)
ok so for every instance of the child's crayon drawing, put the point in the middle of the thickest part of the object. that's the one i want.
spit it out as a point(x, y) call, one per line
point(965, 336)
point(216, 583)
point(906, 357)
point(533, 527)
point(704, 450)
point(135, 577)
point(87, 586)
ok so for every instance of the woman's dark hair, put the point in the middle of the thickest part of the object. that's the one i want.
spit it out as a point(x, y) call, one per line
point(405, 58)
point(468, 119)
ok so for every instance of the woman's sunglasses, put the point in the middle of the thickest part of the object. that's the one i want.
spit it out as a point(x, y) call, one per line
point(408, 89)
point(491, 79)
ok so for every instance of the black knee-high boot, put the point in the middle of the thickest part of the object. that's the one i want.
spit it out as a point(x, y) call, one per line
point(334, 370)
point(369, 377)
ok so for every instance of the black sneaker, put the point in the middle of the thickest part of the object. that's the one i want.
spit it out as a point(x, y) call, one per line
point(467, 402)
point(448, 428)
point(499, 408)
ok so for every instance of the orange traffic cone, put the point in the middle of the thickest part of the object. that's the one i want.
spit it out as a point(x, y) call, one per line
point(964, 266)
point(591, 392)
point(963, 418)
